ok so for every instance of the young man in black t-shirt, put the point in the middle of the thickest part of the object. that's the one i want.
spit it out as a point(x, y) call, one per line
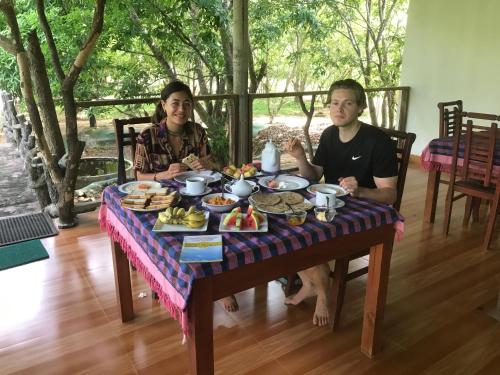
point(358, 157)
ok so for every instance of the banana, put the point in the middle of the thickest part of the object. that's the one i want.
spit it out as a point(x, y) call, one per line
point(163, 217)
point(195, 216)
point(174, 212)
point(191, 210)
point(194, 224)
point(181, 213)
point(168, 213)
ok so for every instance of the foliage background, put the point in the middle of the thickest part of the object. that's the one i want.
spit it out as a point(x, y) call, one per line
point(296, 45)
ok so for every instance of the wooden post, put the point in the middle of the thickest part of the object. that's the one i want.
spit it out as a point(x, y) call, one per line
point(240, 83)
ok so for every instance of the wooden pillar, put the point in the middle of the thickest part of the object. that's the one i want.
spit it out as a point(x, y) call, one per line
point(240, 82)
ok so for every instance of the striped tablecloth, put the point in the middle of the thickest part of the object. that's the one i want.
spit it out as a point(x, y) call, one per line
point(156, 255)
point(437, 156)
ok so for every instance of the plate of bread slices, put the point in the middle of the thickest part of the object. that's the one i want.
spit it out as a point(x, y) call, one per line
point(135, 186)
point(153, 199)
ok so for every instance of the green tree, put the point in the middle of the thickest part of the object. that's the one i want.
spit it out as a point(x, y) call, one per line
point(375, 30)
point(61, 161)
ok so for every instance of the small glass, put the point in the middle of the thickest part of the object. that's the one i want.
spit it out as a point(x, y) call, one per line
point(296, 217)
point(324, 213)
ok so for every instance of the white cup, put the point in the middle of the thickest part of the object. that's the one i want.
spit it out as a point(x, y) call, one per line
point(325, 198)
point(195, 185)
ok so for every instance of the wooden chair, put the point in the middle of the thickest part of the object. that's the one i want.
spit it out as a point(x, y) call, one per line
point(448, 111)
point(475, 177)
point(341, 274)
point(124, 139)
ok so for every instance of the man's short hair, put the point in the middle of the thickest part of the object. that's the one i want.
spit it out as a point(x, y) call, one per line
point(349, 84)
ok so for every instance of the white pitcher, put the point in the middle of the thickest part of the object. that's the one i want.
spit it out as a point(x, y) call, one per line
point(270, 158)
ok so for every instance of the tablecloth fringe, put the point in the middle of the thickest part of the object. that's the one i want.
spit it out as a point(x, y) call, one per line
point(114, 234)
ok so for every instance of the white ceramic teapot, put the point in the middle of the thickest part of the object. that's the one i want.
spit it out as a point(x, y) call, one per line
point(270, 158)
point(241, 188)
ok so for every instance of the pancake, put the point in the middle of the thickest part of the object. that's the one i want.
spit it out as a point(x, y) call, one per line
point(278, 208)
point(265, 199)
point(291, 198)
point(303, 206)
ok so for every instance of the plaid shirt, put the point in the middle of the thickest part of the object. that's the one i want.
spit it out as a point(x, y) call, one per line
point(155, 154)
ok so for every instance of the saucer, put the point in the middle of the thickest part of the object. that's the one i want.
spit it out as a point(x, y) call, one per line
point(338, 202)
point(183, 191)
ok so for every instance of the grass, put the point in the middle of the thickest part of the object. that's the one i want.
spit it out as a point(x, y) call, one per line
point(289, 107)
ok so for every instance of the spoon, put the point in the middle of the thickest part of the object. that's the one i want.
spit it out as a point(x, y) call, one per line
point(222, 183)
point(290, 207)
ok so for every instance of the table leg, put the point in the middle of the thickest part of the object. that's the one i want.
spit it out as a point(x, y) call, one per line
point(431, 196)
point(376, 294)
point(200, 341)
point(122, 282)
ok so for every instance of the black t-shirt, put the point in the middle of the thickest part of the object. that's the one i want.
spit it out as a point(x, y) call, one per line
point(371, 153)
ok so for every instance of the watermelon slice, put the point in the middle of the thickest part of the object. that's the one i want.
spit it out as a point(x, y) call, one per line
point(252, 222)
point(251, 211)
point(239, 217)
point(236, 210)
point(230, 219)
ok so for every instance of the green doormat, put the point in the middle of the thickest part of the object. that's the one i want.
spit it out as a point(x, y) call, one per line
point(21, 253)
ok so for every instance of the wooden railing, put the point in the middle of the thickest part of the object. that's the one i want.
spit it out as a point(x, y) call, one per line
point(310, 97)
point(399, 115)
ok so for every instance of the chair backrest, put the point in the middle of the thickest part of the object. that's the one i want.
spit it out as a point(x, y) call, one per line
point(404, 142)
point(475, 145)
point(124, 139)
point(448, 112)
point(480, 116)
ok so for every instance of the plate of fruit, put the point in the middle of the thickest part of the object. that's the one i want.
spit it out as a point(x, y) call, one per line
point(175, 219)
point(238, 221)
point(247, 170)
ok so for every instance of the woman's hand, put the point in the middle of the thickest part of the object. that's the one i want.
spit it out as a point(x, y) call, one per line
point(295, 149)
point(173, 170)
point(202, 163)
point(350, 184)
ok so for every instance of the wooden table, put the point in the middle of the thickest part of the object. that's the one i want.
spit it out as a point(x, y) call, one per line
point(436, 159)
point(376, 232)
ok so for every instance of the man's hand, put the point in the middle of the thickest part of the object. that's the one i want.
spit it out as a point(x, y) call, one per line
point(350, 184)
point(385, 192)
point(295, 149)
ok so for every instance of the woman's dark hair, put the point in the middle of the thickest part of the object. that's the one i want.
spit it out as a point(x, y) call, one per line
point(174, 86)
point(349, 84)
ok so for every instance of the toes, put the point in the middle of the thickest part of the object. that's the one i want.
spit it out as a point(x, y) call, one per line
point(230, 304)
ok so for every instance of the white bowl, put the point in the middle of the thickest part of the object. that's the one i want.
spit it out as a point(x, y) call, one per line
point(220, 207)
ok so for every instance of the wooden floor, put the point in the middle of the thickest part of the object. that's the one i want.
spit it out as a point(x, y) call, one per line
point(59, 316)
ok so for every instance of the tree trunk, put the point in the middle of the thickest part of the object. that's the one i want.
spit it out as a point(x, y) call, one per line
point(309, 115)
point(75, 148)
point(45, 98)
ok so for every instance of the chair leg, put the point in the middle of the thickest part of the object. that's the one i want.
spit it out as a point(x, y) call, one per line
point(476, 206)
point(469, 204)
point(338, 290)
point(490, 225)
point(447, 211)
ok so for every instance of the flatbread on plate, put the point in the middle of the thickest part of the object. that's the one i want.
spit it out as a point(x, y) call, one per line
point(291, 198)
point(278, 208)
point(303, 206)
point(266, 199)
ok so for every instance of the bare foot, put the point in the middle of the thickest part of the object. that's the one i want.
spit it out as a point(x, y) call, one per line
point(321, 316)
point(230, 304)
point(307, 290)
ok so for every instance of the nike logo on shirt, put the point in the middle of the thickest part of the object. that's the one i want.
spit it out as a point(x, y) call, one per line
point(356, 157)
